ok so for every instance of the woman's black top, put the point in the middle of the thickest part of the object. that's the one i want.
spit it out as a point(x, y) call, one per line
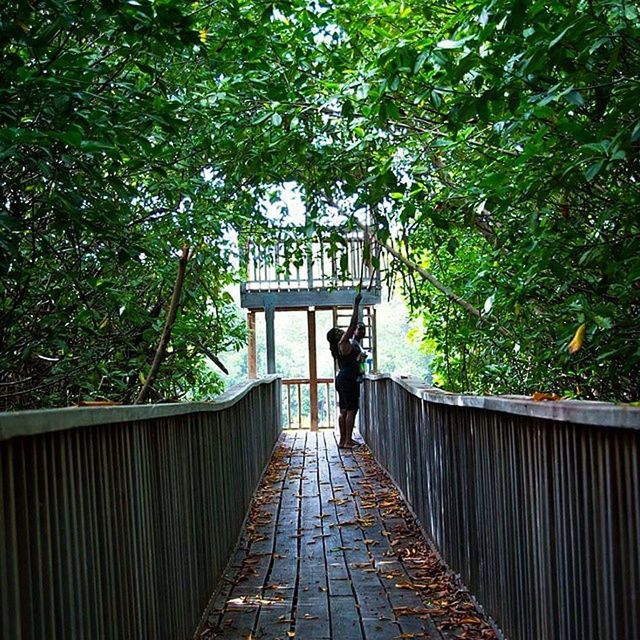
point(349, 366)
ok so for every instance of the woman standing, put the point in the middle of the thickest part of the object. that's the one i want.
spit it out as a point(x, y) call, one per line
point(347, 380)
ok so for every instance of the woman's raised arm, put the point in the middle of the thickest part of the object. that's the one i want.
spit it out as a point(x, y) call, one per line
point(344, 346)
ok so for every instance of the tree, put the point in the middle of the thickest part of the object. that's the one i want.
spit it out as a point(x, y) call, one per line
point(493, 144)
point(103, 178)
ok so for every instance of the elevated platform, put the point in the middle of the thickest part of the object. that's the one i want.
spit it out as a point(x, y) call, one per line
point(319, 273)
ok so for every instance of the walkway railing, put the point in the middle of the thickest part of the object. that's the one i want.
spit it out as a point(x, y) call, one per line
point(117, 522)
point(536, 505)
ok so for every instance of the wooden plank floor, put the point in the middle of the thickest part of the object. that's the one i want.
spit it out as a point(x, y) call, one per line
point(331, 552)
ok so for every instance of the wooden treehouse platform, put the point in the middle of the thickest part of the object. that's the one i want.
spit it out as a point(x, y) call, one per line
point(330, 551)
point(323, 278)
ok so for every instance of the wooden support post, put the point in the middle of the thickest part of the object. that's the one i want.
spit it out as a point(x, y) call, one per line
point(251, 345)
point(334, 311)
point(374, 340)
point(310, 268)
point(313, 368)
point(269, 315)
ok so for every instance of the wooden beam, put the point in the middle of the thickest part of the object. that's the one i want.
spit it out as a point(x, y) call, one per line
point(252, 367)
point(313, 368)
point(334, 311)
point(317, 298)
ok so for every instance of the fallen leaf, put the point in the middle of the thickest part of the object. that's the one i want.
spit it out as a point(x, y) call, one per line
point(405, 585)
point(410, 611)
point(539, 396)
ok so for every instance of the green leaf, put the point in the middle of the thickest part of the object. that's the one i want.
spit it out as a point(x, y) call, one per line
point(561, 35)
point(592, 171)
point(575, 97)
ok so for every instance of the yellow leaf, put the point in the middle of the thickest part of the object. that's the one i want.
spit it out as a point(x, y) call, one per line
point(291, 634)
point(203, 36)
point(141, 378)
point(105, 322)
point(578, 338)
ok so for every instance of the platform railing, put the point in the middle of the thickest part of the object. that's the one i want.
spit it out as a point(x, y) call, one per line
point(117, 522)
point(535, 504)
point(296, 403)
point(320, 264)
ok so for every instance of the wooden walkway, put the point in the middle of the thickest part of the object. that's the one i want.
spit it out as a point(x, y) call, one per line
point(330, 551)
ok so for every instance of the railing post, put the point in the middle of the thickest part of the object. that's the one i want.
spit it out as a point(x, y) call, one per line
point(310, 267)
point(313, 369)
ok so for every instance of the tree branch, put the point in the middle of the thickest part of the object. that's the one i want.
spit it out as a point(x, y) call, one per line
point(168, 326)
point(429, 277)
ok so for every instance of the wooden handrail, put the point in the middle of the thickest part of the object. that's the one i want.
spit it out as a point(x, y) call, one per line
point(306, 380)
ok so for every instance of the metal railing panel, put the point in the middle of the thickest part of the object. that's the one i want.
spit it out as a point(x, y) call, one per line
point(122, 529)
point(536, 506)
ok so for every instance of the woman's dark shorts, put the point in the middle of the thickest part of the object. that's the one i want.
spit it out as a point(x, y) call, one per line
point(348, 394)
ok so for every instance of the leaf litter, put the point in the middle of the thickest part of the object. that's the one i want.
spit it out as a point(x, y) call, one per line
point(445, 601)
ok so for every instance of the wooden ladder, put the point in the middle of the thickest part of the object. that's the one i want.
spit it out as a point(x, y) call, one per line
point(341, 318)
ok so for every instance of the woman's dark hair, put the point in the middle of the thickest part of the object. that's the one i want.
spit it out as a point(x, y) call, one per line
point(333, 336)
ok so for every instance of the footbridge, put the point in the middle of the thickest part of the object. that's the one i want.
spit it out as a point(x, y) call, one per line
point(461, 517)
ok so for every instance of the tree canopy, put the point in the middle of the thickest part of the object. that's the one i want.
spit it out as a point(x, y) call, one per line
point(491, 145)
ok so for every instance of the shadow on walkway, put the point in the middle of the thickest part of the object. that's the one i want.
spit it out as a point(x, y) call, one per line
point(331, 551)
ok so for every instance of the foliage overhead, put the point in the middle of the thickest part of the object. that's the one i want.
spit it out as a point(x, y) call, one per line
point(494, 144)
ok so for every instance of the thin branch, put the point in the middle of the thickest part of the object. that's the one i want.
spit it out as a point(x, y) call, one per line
point(213, 357)
point(168, 326)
